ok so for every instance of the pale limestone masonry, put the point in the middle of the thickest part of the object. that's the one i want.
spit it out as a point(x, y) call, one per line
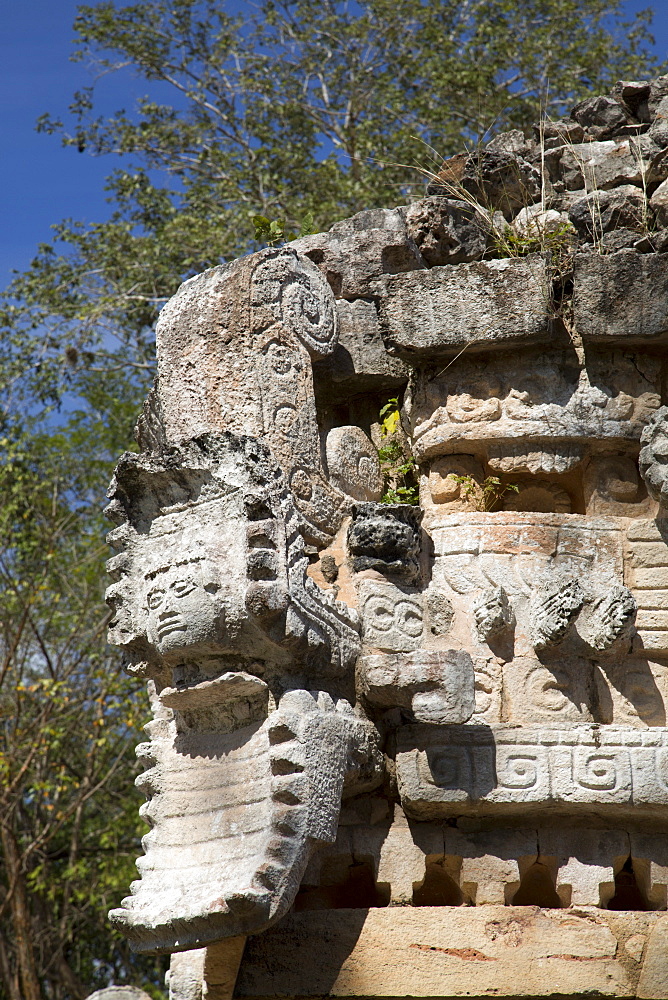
point(421, 750)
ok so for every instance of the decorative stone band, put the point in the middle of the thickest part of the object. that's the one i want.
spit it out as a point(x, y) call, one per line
point(454, 770)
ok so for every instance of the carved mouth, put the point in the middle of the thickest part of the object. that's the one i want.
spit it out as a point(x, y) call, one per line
point(227, 687)
point(168, 627)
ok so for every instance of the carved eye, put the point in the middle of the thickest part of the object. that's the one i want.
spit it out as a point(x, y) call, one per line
point(381, 615)
point(182, 587)
point(154, 599)
point(409, 618)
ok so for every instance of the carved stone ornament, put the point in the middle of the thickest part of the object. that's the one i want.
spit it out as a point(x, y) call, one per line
point(462, 700)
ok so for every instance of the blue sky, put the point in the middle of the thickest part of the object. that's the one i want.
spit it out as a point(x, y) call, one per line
point(40, 182)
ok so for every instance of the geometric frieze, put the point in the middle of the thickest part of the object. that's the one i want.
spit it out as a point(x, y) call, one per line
point(443, 771)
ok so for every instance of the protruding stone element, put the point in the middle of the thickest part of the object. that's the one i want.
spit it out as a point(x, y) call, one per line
point(492, 613)
point(610, 618)
point(554, 607)
point(271, 793)
point(353, 464)
point(430, 686)
point(386, 538)
point(446, 771)
point(560, 457)
point(654, 455)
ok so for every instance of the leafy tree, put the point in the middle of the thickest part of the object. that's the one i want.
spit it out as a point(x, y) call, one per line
point(69, 718)
point(283, 110)
point(295, 108)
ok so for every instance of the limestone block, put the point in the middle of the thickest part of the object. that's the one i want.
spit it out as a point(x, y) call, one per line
point(359, 361)
point(401, 863)
point(653, 984)
point(622, 295)
point(392, 617)
point(433, 686)
point(586, 862)
point(649, 853)
point(533, 411)
point(633, 692)
point(441, 952)
point(352, 463)
point(536, 693)
point(601, 212)
point(648, 575)
point(487, 879)
point(446, 308)
point(459, 770)
point(659, 203)
point(612, 485)
point(358, 253)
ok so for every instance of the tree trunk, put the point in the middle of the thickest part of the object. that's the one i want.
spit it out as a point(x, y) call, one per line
point(8, 975)
point(20, 915)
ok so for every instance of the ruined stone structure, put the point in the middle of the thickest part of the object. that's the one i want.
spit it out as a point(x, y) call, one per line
point(414, 750)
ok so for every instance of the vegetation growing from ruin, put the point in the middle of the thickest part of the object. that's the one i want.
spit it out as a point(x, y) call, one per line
point(487, 495)
point(400, 483)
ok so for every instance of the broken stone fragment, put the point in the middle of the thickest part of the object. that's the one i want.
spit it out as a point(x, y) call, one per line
point(600, 212)
point(633, 95)
point(501, 180)
point(535, 221)
point(659, 203)
point(449, 231)
point(386, 538)
point(603, 111)
point(658, 131)
point(492, 613)
point(600, 165)
point(554, 606)
point(358, 252)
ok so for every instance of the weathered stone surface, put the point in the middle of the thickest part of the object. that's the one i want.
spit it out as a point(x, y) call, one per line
point(433, 686)
point(604, 112)
point(654, 455)
point(359, 362)
point(442, 952)
point(597, 166)
point(659, 203)
point(386, 538)
point(448, 231)
point(481, 305)
point(352, 463)
point(600, 212)
point(624, 295)
point(654, 976)
point(356, 254)
point(446, 771)
point(119, 993)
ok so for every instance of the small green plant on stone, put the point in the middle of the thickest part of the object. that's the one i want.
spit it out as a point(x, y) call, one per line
point(396, 463)
point(273, 232)
point(487, 495)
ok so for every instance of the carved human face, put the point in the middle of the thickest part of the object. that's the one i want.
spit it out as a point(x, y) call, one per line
point(183, 607)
